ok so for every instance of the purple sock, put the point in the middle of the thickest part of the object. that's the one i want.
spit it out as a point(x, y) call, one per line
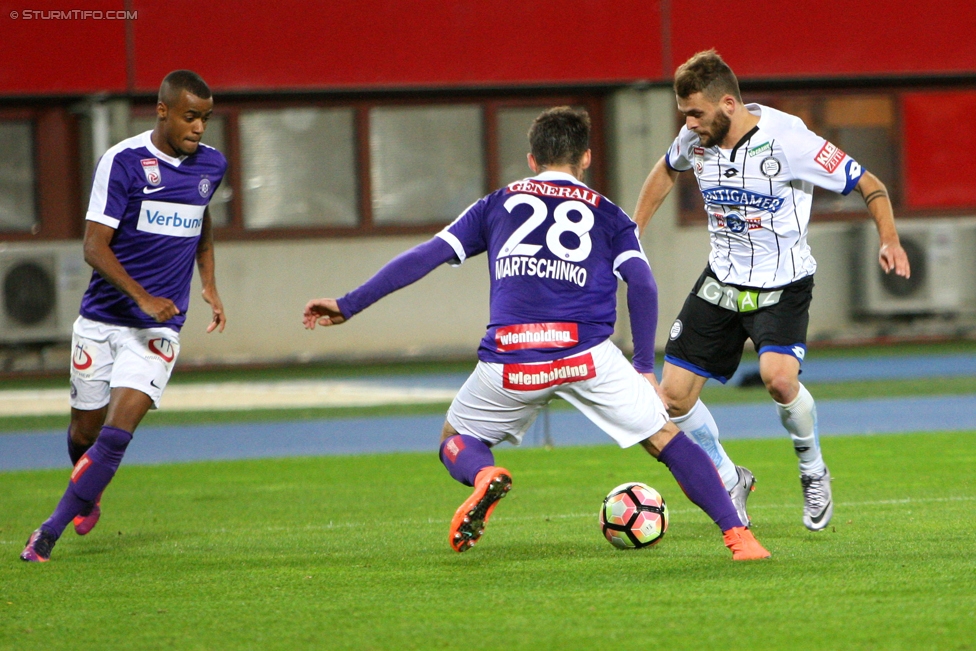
point(698, 478)
point(464, 456)
point(90, 476)
point(75, 450)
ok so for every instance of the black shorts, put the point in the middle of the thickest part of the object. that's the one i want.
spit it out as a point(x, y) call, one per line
point(707, 339)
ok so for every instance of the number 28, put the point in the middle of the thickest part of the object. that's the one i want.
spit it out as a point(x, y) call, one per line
point(514, 246)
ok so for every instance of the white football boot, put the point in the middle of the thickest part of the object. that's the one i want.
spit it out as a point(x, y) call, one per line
point(818, 504)
point(740, 493)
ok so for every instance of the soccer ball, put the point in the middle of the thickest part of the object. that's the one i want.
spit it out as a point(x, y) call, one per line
point(634, 515)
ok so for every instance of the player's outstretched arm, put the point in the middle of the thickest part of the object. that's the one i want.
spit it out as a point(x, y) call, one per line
point(891, 256)
point(656, 188)
point(205, 265)
point(99, 254)
point(405, 269)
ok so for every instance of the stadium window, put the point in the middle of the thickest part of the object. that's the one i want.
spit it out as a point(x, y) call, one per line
point(427, 163)
point(298, 168)
point(18, 210)
point(390, 165)
point(864, 125)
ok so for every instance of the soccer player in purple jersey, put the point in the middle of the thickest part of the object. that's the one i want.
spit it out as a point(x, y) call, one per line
point(555, 250)
point(147, 222)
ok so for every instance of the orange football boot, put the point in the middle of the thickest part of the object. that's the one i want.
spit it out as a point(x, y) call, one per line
point(468, 524)
point(744, 545)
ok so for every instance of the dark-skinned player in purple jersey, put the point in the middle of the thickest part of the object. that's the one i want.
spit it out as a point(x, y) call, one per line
point(555, 251)
point(147, 223)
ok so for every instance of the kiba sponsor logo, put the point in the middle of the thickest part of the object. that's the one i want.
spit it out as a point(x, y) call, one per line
point(165, 218)
point(829, 157)
point(536, 335)
point(531, 377)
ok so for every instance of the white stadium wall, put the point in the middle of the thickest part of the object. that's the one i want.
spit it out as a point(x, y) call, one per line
point(264, 287)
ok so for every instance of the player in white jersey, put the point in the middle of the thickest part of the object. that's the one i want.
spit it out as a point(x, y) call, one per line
point(756, 168)
point(555, 250)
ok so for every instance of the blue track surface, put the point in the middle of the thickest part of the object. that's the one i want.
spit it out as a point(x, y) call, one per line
point(877, 368)
point(420, 433)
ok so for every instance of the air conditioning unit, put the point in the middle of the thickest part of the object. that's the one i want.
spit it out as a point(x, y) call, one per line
point(40, 291)
point(934, 286)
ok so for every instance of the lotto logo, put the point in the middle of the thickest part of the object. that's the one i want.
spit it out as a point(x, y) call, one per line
point(829, 157)
point(531, 377)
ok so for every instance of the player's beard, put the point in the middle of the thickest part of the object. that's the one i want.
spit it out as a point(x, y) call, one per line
point(720, 128)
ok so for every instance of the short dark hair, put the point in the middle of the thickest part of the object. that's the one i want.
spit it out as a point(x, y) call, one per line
point(179, 80)
point(560, 136)
point(708, 74)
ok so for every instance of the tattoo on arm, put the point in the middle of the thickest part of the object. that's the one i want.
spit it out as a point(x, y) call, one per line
point(877, 194)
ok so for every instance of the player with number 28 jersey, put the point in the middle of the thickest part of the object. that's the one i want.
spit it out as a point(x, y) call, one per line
point(553, 248)
point(555, 251)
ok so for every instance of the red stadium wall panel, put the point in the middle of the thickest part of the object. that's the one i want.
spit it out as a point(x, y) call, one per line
point(938, 141)
point(403, 44)
point(828, 38)
point(398, 43)
point(51, 48)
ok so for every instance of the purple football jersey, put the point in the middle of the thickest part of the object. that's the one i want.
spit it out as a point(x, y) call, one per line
point(554, 246)
point(156, 204)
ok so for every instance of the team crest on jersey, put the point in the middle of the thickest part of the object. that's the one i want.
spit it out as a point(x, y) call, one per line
point(150, 166)
point(829, 157)
point(770, 166)
point(204, 187)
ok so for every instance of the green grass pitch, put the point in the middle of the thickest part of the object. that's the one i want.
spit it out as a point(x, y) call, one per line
point(352, 553)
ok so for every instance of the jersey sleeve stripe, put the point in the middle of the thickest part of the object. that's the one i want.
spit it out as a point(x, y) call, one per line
point(455, 244)
point(627, 255)
point(99, 193)
point(98, 217)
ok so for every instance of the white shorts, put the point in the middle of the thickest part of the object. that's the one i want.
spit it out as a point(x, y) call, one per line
point(501, 401)
point(105, 356)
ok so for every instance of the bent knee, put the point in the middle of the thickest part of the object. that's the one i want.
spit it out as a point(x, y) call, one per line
point(782, 388)
point(679, 403)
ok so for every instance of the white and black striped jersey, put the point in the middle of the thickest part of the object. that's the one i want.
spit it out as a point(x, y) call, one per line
point(758, 196)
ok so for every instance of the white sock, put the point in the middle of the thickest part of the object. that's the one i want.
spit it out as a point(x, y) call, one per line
point(699, 425)
point(800, 420)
